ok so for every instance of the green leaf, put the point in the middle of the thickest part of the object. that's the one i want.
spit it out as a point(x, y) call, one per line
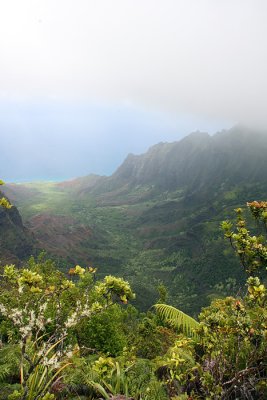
point(178, 319)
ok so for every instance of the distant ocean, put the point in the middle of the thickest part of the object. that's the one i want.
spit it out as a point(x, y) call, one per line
point(40, 179)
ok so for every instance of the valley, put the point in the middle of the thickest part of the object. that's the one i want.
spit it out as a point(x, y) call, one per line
point(156, 219)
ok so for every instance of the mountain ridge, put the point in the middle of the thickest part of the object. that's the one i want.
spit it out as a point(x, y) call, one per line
point(156, 219)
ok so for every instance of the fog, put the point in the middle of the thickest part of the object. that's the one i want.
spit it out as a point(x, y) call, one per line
point(55, 141)
point(122, 75)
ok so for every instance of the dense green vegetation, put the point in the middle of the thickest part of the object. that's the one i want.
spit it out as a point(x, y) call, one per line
point(76, 337)
point(156, 219)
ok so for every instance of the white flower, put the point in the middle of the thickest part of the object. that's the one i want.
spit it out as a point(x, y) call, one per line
point(72, 320)
point(25, 331)
point(21, 287)
point(51, 362)
point(69, 354)
point(40, 322)
point(43, 307)
point(3, 309)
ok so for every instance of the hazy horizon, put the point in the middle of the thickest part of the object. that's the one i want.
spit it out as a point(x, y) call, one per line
point(84, 83)
point(110, 167)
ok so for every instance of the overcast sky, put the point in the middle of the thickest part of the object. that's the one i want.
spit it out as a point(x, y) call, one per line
point(84, 82)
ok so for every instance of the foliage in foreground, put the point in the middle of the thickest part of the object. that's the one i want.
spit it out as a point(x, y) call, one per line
point(3, 201)
point(64, 337)
point(230, 348)
point(40, 309)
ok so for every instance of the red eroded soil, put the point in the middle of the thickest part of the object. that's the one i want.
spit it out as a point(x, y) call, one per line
point(61, 235)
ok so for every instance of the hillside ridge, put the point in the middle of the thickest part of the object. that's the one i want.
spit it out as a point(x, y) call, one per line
point(157, 218)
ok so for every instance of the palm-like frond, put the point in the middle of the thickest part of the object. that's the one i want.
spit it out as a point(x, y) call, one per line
point(9, 361)
point(178, 319)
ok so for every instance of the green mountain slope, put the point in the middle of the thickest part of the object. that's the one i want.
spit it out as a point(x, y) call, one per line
point(156, 219)
point(16, 242)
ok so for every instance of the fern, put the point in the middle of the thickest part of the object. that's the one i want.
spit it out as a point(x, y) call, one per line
point(5, 371)
point(177, 318)
point(9, 362)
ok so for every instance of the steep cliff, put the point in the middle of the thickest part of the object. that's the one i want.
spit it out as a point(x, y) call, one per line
point(16, 242)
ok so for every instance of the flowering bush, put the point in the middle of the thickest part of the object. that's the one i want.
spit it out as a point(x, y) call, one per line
point(43, 306)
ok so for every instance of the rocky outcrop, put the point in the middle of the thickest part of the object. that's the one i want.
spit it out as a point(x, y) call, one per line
point(16, 242)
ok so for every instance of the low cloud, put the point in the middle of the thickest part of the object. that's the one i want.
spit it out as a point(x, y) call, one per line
point(201, 57)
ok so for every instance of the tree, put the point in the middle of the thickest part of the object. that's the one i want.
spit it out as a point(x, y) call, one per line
point(231, 350)
point(3, 201)
point(250, 248)
point(43, 307)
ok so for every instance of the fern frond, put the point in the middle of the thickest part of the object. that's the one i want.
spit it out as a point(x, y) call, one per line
point(99, 389)
point(9, 361)
point(4, 372)
point(177, 318)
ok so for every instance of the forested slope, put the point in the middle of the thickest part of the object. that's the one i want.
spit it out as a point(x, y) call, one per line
point(157, 218)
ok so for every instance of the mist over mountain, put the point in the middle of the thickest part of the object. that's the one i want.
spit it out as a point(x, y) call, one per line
point(199, 160)
point(157, 218)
